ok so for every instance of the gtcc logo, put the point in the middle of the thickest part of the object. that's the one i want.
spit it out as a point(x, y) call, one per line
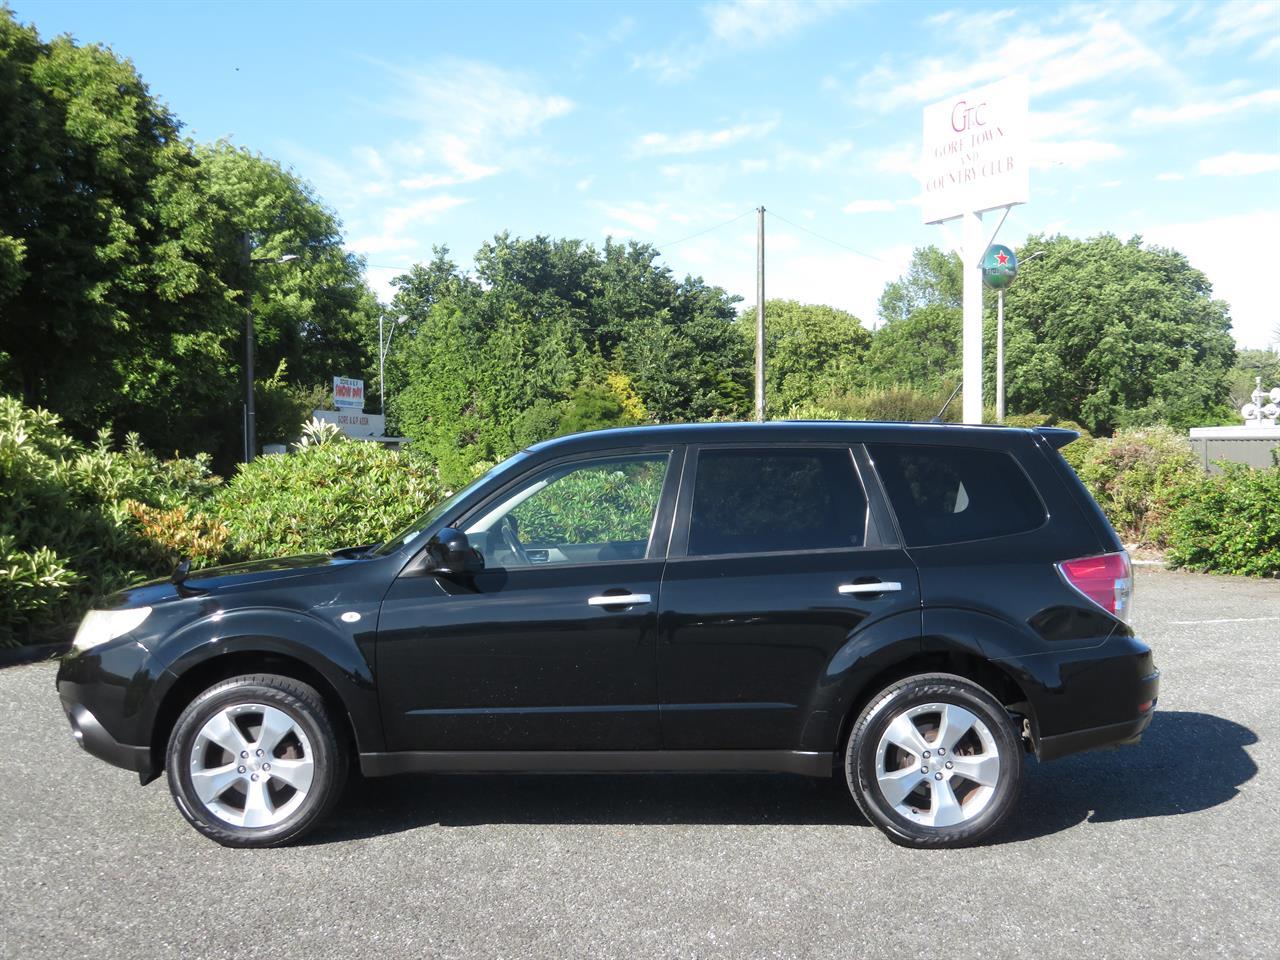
point(965, 117)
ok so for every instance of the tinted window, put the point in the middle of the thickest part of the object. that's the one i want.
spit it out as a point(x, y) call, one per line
point(591, 511)
point(951, 494)
point(753, 501)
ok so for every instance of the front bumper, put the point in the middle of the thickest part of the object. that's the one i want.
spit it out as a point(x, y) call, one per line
point(95, 739)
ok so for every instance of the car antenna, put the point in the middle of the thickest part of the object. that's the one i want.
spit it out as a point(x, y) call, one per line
point(938, 418)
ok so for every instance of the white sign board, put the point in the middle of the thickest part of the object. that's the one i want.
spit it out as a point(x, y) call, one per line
point(354, 423)
point(975, 153)
point(348, 393)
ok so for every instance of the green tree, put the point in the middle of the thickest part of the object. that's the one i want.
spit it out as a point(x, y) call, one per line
point(934, 279)
point(122, 283)
point(523, 349)
point(110, 275)
point(810, 351)
point(920, 350)
point(1111, 333)
point(1249, 365)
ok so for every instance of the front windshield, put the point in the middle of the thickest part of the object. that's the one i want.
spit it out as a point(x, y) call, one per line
point(441, 510)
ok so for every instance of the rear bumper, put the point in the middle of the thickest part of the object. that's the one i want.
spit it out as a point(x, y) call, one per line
point(1126, 733)
point(95, 739)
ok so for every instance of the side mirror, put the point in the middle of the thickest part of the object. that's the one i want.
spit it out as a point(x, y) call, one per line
point(449, 551)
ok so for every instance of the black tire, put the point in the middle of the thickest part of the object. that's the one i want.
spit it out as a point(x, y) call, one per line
point(324, 743)
point(992, 803)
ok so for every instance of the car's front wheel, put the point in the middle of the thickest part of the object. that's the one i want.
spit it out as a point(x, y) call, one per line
point(256, 761)
point(934, 761)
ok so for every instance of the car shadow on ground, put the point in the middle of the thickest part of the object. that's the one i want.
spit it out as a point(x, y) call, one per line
point(1150, 780)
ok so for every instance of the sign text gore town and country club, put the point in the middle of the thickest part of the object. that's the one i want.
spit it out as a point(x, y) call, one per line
point(975, 151)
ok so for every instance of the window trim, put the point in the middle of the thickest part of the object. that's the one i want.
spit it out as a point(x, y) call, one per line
point(1047, 515)
point(659, 531)
point(873, 536)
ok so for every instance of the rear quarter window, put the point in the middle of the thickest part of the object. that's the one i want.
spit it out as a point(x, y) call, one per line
point(944, 494)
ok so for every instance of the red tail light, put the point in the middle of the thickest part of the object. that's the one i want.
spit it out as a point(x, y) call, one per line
point(1107, 580)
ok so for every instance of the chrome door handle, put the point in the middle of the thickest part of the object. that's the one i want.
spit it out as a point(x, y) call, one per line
point(620, 600)
point(888, 586)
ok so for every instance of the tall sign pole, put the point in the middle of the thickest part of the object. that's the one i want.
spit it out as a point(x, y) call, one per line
point(760, 315)
point(999, 269)
point(974, 159)
point(999, 356)
point(971, 365)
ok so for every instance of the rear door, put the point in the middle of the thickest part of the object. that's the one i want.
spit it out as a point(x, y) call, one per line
point(776, 562)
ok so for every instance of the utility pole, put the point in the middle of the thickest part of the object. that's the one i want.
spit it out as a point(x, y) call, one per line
point(760, 315)
point(250, 423)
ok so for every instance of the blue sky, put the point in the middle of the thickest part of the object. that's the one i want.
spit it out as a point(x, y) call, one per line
point(426, 124)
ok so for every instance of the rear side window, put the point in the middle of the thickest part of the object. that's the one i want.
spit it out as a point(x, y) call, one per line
point(952, 494)
point(758, 501)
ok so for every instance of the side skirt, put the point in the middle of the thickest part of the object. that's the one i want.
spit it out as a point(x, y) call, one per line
point(597, 761)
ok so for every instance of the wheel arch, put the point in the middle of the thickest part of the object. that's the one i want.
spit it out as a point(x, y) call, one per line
point(963, 663)
point(213, 670)
point(889, 651)
point(268, 641)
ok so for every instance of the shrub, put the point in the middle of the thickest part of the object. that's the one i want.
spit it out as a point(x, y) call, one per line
point(321, 496)
point(1227, 524)
point(878, 403)
point(66, 533)
point(1134, 475)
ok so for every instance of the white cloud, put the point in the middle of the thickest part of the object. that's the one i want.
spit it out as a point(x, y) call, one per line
point(735, 25)
point(1072, 154)
point(421, 211)
point(467, 114)
point(832, 155)
point(1170, 177)
point(1235, 252)
point(699, 141)
point(1205, 109)
point(1237, 164)
point(1234, 24)
point(743, 23)
point(903, 158)
point(584, 184)
point(869, 206)
point(636, 215)
point(1053, 62)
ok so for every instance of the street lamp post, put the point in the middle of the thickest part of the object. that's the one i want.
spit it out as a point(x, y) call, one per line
point(383, 347)
point(250, 414)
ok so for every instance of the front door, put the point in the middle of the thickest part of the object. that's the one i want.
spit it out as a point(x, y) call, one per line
point(775, 565)
point(551, 647)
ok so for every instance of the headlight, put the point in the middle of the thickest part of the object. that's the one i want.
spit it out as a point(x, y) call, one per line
point(99, 626)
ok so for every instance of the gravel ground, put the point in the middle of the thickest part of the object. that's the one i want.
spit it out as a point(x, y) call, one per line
point(1166, 849)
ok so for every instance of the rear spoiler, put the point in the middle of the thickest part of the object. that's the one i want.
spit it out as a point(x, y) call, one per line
point(1058, 437)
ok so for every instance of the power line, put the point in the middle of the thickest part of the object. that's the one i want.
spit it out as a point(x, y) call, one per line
point(672, 243)
point(837, 243)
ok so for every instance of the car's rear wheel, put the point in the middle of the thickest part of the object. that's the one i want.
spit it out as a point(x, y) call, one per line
point(256, 761)
point(934, 761)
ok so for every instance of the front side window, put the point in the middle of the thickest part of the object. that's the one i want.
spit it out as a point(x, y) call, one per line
point(762, 501)
point(949, 494)
point(590, 511)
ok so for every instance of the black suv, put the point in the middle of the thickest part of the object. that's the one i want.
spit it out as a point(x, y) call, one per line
point(909, 606)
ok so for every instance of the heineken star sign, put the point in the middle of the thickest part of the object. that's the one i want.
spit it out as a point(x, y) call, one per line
point(999, 267)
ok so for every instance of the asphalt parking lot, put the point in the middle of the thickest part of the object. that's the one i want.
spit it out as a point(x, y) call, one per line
point(1166, 849)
